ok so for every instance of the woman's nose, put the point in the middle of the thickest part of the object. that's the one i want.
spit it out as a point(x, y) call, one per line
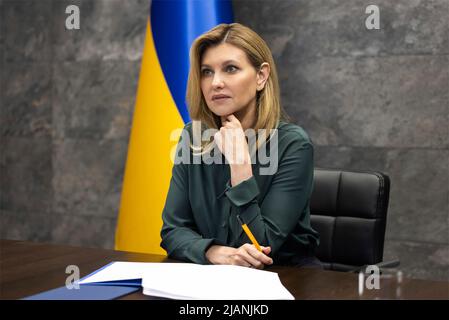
point(217, 81)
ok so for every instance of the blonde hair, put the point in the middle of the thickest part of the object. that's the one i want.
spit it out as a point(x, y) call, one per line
point(269, 111)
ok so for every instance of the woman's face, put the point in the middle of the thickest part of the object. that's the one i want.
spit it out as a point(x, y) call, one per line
point(228, 81)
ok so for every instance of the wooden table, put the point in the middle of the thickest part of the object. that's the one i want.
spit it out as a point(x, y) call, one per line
point(28, 268)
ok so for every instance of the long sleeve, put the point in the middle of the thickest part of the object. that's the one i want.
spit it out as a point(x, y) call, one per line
point(180, 237)
point(284, 207)
point(201, 206)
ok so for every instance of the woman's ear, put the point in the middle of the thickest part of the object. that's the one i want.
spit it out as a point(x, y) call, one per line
point(262, 75)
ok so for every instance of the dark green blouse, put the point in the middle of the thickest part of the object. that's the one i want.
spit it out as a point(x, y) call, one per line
point(201, 205)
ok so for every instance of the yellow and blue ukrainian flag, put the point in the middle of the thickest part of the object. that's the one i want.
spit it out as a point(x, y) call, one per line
point(160, 108)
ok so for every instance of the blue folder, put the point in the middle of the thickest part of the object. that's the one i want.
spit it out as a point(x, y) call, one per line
point(85, 292)
point(91, 291)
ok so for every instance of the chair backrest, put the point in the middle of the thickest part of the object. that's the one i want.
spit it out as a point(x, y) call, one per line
point(349, 210)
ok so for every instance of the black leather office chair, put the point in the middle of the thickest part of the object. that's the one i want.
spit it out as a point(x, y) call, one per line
point(349, 210)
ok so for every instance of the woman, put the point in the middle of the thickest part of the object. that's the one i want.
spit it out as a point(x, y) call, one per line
point(233, 87)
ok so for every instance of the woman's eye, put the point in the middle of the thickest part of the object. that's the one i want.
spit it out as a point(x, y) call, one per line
point(231, 68)
point(205, 72)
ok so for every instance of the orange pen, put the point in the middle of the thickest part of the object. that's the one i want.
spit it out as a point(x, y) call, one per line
point(249, 234)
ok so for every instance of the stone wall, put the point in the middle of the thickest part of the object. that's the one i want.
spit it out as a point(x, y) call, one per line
point(370, 100)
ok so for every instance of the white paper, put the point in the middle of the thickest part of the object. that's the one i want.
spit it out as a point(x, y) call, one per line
point(213, 282)
point(117, 271)
point(195, 281)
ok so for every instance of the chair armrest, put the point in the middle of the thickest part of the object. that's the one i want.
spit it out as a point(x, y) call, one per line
point(384, 264)
point(389, 264)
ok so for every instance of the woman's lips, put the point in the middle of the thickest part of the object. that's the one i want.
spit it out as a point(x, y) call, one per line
point(221, 98)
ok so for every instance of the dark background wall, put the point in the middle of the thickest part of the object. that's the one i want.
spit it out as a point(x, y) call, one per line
point(67, 102)
point(370, 99)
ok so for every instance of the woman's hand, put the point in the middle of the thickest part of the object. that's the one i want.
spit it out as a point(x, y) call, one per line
point(247, 256)
point(232, 143)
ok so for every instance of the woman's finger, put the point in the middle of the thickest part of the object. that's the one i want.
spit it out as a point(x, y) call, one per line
point(237, 260)
point(246, 254)
point(260, 256)
point(266, 250)
point(232, 118)
point(251, 260)
point(223, 120)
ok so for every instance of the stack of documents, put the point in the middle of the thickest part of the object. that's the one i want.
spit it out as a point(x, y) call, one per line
point(193, 281)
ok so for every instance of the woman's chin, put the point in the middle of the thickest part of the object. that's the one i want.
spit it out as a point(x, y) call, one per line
point(222, 112)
